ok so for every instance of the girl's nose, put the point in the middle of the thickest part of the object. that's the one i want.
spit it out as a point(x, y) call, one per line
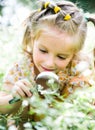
point(50, 62)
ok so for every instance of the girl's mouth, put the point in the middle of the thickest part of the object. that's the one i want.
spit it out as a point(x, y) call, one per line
point(46, 69)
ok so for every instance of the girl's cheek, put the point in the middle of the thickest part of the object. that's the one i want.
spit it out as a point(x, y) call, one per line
point(62, 64)
point(40, 57)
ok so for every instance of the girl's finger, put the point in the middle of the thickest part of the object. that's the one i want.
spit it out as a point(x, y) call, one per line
point(27, 91)
point(14, 91)
point(20, 92)
point(27, 83)
point(24, 88)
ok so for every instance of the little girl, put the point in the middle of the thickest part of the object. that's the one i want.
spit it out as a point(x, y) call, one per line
point(53, 38)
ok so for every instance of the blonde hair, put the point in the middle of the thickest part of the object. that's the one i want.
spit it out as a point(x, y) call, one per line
point(75, 24)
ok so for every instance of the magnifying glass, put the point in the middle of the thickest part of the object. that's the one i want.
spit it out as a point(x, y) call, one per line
point(46, 83)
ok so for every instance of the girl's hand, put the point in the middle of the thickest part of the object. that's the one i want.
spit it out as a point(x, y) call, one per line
point(22, 89)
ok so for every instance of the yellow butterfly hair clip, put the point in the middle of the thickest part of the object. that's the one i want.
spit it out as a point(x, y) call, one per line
point(46, 4)
point(67, 17)
point(57, 9)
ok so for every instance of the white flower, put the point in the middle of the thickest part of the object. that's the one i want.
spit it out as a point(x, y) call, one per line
point(27, 125)
point(92, 82)
point(82, 66)
point(87, 72)
point(25, 103)
point(51, 81)
point(12, 127)
point(39, 87)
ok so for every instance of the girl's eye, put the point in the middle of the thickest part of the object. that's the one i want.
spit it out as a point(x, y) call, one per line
point(43, 51)
point(62, 58)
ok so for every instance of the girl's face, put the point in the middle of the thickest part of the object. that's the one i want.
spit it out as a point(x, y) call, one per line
point(52, 51)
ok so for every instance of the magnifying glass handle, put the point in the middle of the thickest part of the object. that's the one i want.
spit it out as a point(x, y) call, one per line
point(15, 99)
